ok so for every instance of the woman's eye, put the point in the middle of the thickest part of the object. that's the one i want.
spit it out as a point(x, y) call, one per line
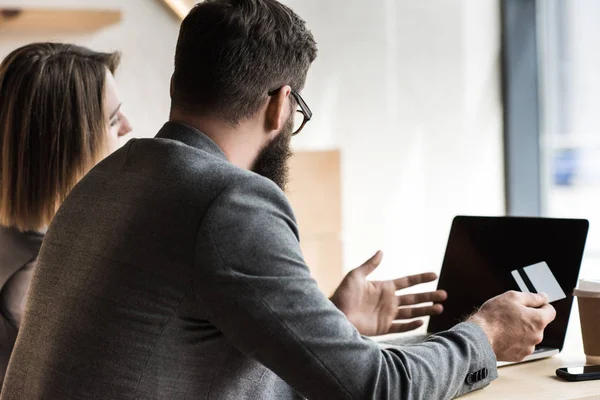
point(115, 121)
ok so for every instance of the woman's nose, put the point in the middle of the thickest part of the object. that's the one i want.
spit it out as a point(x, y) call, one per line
point(125, 127)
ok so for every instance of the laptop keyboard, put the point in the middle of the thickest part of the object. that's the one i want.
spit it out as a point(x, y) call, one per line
point(541, 349)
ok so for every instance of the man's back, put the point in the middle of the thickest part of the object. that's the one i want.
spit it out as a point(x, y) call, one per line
point(114, 296)
point(170, 273)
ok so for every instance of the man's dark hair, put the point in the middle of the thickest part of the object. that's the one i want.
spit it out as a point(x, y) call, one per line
point(231, 53)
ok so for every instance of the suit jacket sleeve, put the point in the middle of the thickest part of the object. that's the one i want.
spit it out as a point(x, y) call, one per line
point(252, 279)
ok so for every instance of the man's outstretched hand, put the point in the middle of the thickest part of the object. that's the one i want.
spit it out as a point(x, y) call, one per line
point(373, 306)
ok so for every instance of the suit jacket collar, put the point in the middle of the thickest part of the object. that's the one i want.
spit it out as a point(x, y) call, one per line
point(190, 136)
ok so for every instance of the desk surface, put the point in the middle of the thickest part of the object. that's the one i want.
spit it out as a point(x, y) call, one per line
point(537, 380)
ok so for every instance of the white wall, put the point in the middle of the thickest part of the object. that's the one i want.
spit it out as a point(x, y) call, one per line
point(410, 92)
point(408, 89)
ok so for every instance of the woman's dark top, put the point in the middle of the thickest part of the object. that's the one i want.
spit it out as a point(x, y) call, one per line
point(18, 252)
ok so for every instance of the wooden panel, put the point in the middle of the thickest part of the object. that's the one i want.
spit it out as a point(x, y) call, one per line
point(323, 255)
point(315, 194)
point(315, 191)
point(62, 20)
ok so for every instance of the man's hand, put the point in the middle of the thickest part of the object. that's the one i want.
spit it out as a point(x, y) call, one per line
point(372, 306)
point(514, 322)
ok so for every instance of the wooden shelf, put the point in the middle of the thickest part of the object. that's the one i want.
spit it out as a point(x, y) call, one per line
point(180, 8)
point(50, 19)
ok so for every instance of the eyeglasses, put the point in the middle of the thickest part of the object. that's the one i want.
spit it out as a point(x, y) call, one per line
point(304, 110)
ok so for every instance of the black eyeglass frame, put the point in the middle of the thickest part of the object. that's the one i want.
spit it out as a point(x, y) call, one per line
point(304, 109)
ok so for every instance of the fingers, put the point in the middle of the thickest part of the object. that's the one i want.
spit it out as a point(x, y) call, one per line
point(409, 326)
point(416, 312)
point(544, 315)
point(532, 300)
point(408, 281)
point(371, 264)
point(549, 311)
point(418, 298)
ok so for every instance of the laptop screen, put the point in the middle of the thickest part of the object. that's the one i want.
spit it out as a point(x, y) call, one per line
point(483, 252)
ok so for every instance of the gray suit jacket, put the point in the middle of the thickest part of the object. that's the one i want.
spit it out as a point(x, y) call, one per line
point(168, 273)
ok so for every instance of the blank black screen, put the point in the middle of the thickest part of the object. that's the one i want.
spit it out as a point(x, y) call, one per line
point(482, 252)
point(590, 369)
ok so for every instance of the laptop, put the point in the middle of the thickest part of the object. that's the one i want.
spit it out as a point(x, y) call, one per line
point(487, 256)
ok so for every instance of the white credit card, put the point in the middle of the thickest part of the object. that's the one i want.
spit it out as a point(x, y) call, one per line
point(538, 278)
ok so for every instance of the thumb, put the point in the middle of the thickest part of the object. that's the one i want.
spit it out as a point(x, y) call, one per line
point(371, 264)
point(534, 300)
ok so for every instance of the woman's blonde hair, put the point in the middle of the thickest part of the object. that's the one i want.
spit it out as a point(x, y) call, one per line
point(52, 127)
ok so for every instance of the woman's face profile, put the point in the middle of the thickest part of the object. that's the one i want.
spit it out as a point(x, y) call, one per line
point(116, 121)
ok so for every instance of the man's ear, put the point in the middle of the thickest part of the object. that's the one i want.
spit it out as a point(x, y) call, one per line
point(277, 109)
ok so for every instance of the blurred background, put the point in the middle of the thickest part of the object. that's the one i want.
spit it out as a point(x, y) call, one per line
point(569, 36)
point(423, 110)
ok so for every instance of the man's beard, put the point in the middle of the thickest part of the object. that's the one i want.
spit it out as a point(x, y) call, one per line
point(272, 161)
